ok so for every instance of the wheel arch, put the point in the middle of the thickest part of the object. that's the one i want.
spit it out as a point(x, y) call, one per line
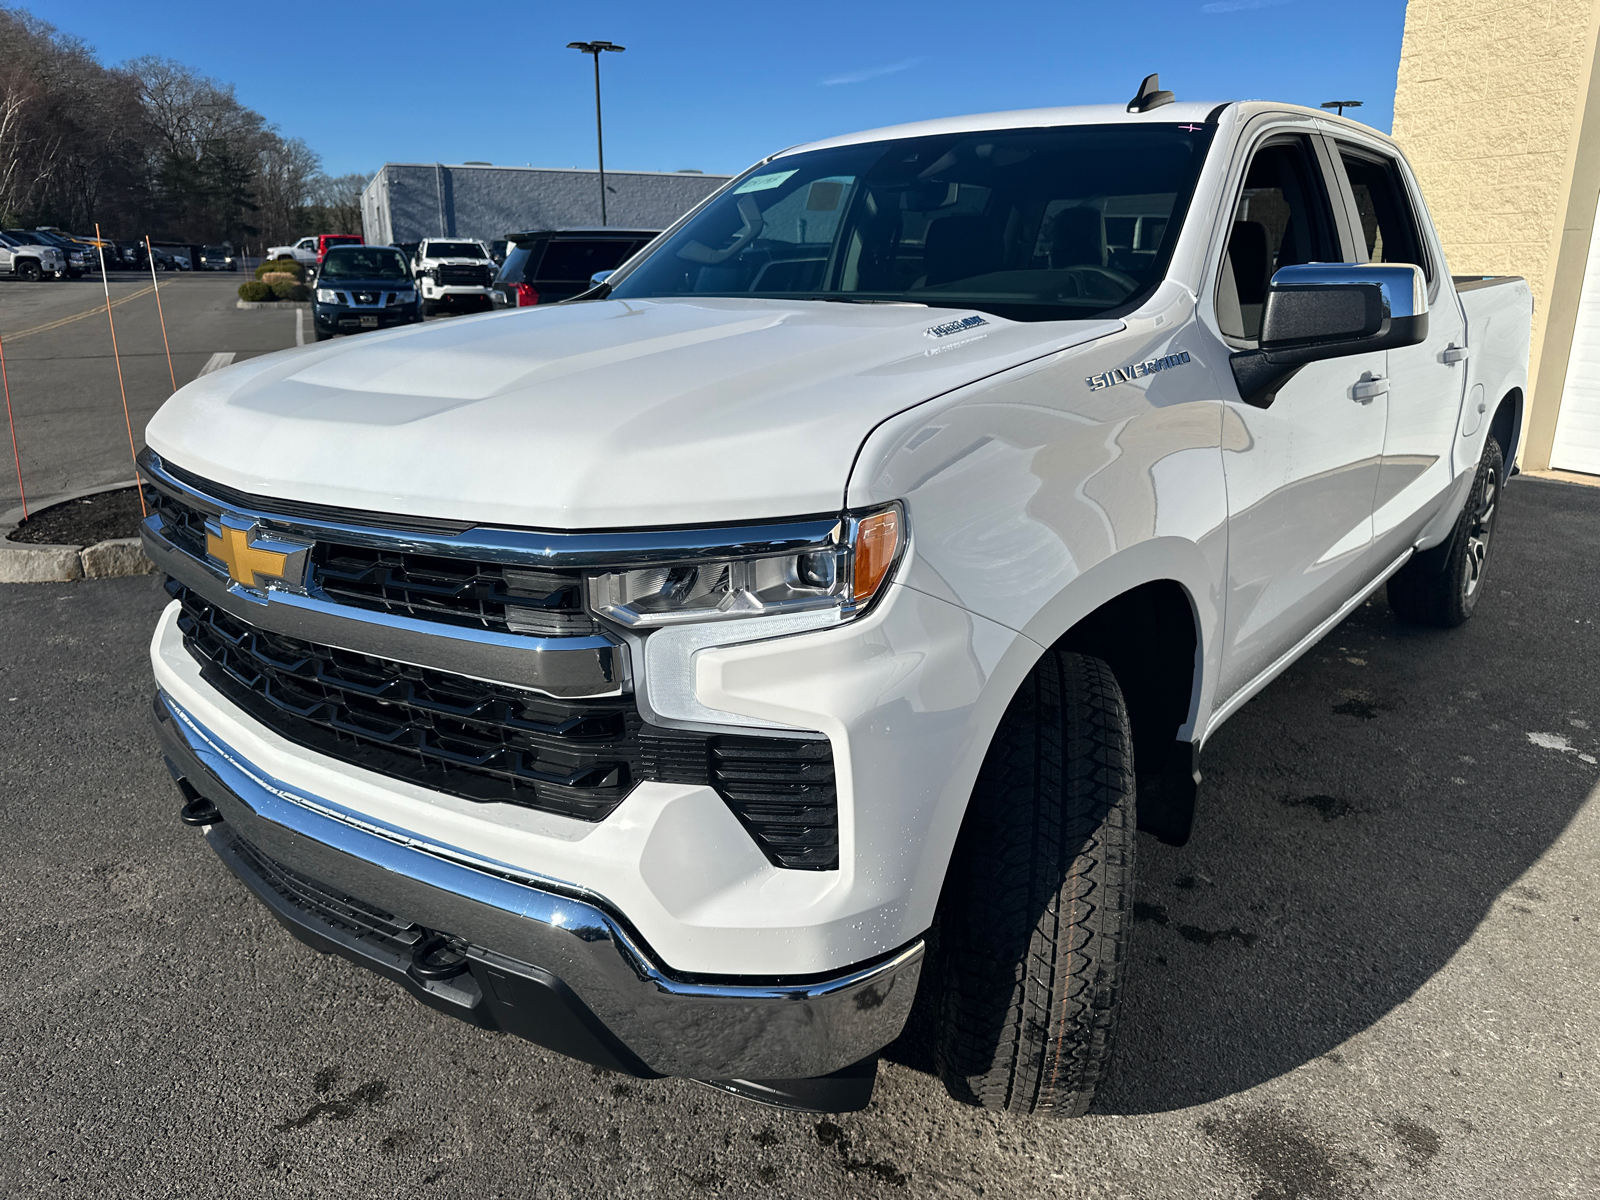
point(1150, 613)
point(1506, 425)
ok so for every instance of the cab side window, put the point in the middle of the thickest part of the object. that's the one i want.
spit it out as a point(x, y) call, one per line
point(1282, 220)
point(1388, 225)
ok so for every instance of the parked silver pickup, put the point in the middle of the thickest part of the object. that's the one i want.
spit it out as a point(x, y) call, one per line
point(684, 676)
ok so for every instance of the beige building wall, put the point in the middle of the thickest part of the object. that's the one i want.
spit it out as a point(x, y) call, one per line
point(1497, 108)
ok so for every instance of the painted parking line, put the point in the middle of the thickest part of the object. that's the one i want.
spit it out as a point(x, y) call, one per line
point(78, 316)
point(299, 327)
point(222, 358)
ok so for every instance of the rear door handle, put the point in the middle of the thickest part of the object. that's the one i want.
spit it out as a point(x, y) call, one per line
point(1368, 390)
point(1454, 354)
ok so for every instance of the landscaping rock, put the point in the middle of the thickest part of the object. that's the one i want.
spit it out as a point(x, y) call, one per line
point(39, 564)
point(119, 556)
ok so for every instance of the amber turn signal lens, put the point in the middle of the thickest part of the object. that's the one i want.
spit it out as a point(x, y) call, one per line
point(877, 541)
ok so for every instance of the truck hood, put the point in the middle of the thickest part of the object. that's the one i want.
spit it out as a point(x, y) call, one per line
point(606, 414)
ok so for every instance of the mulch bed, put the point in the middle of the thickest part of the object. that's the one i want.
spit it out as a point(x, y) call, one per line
point(84, 522)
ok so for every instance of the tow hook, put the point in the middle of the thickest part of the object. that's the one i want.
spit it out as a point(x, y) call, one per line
point(197, 811)
point(438, 956)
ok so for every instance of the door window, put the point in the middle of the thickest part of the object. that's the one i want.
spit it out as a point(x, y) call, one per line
point(1282, 220)
point(1388, 225)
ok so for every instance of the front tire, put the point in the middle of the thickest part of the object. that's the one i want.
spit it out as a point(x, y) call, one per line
point(1426, 593)
point(1038, 907)
point(28, 271)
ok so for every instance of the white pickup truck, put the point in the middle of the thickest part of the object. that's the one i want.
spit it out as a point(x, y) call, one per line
point(454, 273)
point(30, 263)
point(653, 675)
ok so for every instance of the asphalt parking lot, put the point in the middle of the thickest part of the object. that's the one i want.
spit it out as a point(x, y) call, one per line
point(64, 393)
point(63, 376)
point(1372, 973)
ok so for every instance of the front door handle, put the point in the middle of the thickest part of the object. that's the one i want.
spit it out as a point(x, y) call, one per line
point(1368, 390)
point(1454, 354)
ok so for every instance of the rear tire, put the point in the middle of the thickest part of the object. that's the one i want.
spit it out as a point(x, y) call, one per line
point(1425, 593)
point(1038, 906)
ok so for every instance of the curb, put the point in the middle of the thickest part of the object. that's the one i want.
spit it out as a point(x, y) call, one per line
point(24, 562)
point(272, 304)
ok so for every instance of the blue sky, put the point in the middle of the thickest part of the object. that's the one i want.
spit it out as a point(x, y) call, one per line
point(717, 85)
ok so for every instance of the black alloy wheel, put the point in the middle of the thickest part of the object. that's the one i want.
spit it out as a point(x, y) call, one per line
point(1442, 586)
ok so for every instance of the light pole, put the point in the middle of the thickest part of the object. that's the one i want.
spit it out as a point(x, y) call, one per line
point(1341, 105)
point(595, 49)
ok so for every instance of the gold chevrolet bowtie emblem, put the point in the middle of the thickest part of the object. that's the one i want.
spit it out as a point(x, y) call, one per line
point(252, 560)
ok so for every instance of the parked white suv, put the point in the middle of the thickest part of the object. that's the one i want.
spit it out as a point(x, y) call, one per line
point(454, 273)
point(650, 675)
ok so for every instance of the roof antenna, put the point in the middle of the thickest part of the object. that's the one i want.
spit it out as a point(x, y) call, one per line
point(1150, 96)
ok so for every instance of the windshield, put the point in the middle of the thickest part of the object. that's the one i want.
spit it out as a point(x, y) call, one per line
point(454, 250)
point(214, 251)
point(1030, 224)
point(364, 262)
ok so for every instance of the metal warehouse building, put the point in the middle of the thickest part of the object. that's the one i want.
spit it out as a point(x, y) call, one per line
point(406, 202)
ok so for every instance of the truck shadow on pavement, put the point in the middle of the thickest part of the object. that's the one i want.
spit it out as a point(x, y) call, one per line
point(1358, 820)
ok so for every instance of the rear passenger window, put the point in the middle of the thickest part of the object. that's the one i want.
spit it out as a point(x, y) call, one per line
point(1388, 225)
point(565, 262)
point(1282, 220)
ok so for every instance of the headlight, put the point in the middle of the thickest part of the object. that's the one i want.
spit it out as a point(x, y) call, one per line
point(844, 573)
point(327, 296)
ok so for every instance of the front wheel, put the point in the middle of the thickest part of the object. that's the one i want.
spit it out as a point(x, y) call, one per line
point(1427, 591)
point(28, 271)
point(1036, 914)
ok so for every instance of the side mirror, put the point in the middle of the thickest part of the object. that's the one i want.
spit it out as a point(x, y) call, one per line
point(1330, 310)
point(600, 277)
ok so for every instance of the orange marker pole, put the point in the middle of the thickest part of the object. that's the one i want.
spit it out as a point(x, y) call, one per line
point(155, 283)
point(116, 354)
point(12, 421)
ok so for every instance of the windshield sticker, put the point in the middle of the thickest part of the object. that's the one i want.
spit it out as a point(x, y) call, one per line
point(949, 327)
point(762, 183)
point(1136, 371)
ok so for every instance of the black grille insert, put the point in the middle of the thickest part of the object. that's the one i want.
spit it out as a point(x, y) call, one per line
point(465, 276)
point(456, 590)
point(492, 743)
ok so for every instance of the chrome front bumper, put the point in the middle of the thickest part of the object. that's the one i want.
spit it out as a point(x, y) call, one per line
point(546, 962)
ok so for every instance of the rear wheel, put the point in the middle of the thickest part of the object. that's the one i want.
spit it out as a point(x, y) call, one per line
point(1035, 920)
point(28, 271)
point(1427, 591)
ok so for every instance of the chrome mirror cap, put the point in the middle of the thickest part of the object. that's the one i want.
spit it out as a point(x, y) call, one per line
point(1404, 286)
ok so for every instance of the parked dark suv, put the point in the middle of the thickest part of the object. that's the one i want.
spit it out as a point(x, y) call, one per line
point(546, 265)
point(363, 287)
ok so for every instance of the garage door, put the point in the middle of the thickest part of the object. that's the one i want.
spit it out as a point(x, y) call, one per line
point(1577, 444)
